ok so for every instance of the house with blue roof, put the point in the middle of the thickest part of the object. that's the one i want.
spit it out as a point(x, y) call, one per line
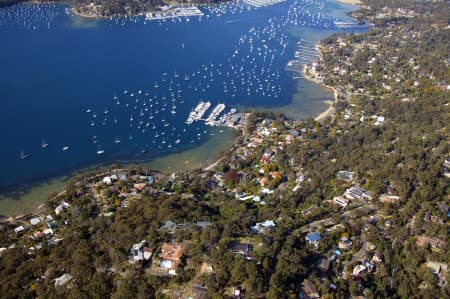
point(313, 238)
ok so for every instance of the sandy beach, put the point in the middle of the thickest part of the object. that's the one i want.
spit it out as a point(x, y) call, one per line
point(327, 113)
point(353, 2)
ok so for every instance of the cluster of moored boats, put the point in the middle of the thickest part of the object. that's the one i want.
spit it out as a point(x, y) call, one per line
point(28, 16)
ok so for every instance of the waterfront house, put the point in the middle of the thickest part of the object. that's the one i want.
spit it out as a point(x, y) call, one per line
point(35, 221)
point(19, 229)
point(63, 205)
point(107, 180)
point(122, 176)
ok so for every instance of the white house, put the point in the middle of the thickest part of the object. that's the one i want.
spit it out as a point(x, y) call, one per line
point(107, 180)
point(63, 279)
point(341, 201)
point(260, 227)
point(140, 253)
point(357, 193)
point(63, 205)
point(19, 229)
point(35, 221)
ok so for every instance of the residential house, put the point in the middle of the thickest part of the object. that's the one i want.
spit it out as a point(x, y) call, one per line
point(122, 176)
point(203, 224)
point(63, 279)
point(377, 257)
point(358, 270)
point(107, 180)
point(171, 257)
point(198, 292)
point(313, 238)
point(309, 210)
point(261, 227)
point(241, 248)
point(345, 244)
point(237, 292)
point(38, 235)
point(35, 221)
point(275, 175)
point(266, 191)
point(324, 264)
point(263, 182)
point(309, 290)
point(428, 217)
point(19, 229)
point(435, 243)
point(341, 201)
point(357, 193)
point(386, 198)
point(139, 252)
point(139, 187)
point(48, 231)
point(170, 226)
point(345, 175)
point(63, 205)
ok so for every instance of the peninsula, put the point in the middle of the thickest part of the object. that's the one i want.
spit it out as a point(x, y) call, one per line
point(107, 8)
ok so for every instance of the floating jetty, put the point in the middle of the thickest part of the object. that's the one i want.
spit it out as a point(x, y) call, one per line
point(198, 112)
point(306, 52)
point(229, 119)
point(262, 3)
point(211, 120)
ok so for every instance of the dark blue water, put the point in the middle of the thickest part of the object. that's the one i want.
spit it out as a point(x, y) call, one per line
point(55, 67)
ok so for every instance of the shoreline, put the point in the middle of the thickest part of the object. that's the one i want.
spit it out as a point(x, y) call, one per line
point(321, 117)
point(24, 201)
